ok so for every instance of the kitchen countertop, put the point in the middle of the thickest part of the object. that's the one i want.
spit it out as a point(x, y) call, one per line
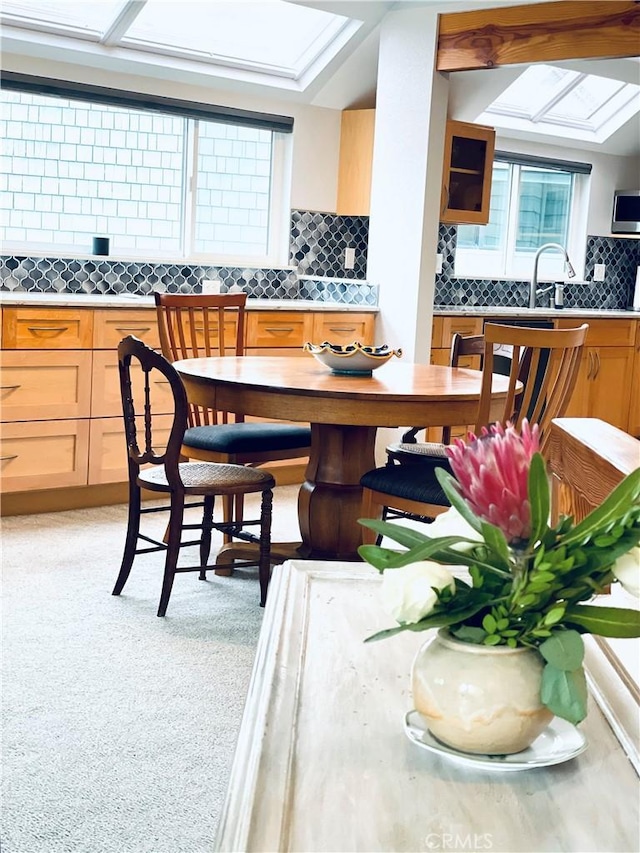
point(501, 311)
point(84, 300)
point(75, 300)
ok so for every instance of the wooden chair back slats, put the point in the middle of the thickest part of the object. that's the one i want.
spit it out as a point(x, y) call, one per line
point(136, 410)
point(553, 360)
point(199, 326)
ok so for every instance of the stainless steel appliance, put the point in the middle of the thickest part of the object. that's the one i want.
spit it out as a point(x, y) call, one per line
point(626, 212)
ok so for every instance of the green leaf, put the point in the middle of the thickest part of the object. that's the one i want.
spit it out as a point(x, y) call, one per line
point(563, 650)
point(436, 620)
point(564, 693)
point(538, 491)
point(554, 616)
point(450, 487)
point(489, 624)
point(469, 634)
point(611, 509)
point(604, 621)
point(495, 540)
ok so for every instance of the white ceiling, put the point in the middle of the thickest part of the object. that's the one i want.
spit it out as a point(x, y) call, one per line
point(348, 81)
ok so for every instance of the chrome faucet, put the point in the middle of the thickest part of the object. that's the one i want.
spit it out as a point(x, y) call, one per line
point(534, 291)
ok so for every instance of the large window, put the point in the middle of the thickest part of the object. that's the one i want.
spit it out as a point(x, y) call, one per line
point(531, 205)
point(158, 185)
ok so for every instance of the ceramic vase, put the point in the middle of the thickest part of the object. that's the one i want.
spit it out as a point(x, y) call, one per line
point(479, 699)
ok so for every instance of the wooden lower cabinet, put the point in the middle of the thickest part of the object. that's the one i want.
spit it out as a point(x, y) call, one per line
point(45, 385)
point(106, 400)
point(603, 386)
point(107, 447)
point(634, 404)
point(343, 328)
point(44, 454)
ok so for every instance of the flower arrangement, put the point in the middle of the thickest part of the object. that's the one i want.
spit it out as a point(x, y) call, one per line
point(528, 580)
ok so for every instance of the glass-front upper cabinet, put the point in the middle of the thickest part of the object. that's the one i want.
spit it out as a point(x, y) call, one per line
point(466, 177)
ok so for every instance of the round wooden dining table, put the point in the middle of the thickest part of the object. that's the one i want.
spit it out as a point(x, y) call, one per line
point(344, 412)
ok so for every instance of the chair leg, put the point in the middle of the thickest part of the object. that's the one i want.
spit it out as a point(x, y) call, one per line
point(173, 549)
point(227, 516)
point(205, 541)
point(264, 566)
point(133, 528)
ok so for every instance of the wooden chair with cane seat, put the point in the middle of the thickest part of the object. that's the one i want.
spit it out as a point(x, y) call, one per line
point(167, 475)
point(198, 326)
point(553, 359)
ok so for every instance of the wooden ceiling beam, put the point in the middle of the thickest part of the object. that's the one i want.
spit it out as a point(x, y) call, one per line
point(541, 32)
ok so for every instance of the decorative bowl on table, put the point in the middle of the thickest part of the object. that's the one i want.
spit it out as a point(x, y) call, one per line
point(354, 358)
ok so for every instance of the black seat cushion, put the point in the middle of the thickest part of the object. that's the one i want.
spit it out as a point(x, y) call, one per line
point(412, 482)
point(247, 437)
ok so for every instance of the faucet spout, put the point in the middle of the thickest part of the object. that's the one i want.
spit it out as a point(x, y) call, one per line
point(533, 285)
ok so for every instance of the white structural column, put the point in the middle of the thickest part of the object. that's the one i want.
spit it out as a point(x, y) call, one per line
point(411, 111)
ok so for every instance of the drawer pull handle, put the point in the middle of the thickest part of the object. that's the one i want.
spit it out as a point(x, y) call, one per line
point(9, 387)
point(36, 329)
point(279, 330)
point(162, 382)
point(141, 329)
point(342, 328)
point(7, 458)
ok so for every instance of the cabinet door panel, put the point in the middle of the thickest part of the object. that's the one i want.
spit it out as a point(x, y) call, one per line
point(47, 328)
point(45, 385)
point(277, 329)
point(111, 326)
point(108, 450)
point(105, 393)
point(607, 333)
point(44, 455)
point(343, 328)
point(466, 176)
point(609, 392)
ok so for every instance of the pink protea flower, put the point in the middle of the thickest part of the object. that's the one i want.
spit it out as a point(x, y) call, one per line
point(492, 472)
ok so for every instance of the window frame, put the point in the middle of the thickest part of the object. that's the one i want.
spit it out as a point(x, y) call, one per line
point(281, 127)
point(576, 227)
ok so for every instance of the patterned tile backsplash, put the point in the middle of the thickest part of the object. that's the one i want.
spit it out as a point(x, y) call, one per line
point(620, 255)
point(318, 242)
point(317, 253)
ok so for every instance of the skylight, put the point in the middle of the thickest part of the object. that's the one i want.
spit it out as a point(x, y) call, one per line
point(265, 36)
point(558, 101)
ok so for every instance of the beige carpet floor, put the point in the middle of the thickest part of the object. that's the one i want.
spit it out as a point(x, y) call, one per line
point(118, 727)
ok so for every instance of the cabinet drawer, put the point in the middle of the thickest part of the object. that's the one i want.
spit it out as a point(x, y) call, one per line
point(45, 385)
point(611, 333)
point(462, 325)
point(47, 328)
point(108, 450)
point(110, 327)
point(443, 356)
point(276, 329)
point(105, 393)
point(343, 328)
point(44, 455)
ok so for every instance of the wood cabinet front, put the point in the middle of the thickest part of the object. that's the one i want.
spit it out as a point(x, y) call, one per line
point(111, 326)
point(356, 162)
point(47, 328)
point(108, 449)
point(106, 400)
point(277, 329)
point(466, 177)
point(44, 455)
point(343, 328)
point(41, 385)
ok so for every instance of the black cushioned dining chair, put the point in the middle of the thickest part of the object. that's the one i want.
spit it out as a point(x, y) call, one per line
point(552, 360)
point(167, 475)
point(198, 326)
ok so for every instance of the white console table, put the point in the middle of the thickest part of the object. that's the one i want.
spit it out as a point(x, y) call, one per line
point(322, 762)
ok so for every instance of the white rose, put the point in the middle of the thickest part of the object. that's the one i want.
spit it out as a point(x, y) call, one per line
point(451, 523)
point(407, 593)
point(627, 570)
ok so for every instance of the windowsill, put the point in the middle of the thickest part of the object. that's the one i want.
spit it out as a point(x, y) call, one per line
point(232, 263)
